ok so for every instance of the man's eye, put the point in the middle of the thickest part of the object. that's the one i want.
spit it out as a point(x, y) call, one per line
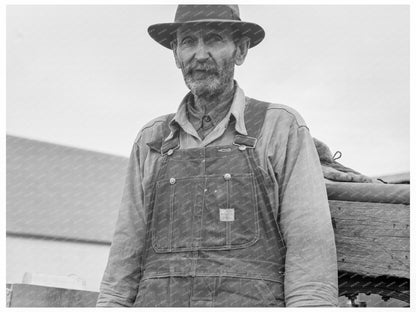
point(187, 41)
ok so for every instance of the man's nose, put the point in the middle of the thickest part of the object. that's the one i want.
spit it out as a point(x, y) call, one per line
point(201, 51)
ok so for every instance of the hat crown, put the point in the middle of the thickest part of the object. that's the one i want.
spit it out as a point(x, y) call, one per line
point(195, 12)
point(218, 14)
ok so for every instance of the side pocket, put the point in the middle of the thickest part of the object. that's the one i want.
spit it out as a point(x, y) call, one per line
point(140, 294)
point(153, 292)
point(271, 292)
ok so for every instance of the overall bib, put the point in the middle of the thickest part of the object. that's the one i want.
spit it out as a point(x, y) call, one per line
point(213, 239)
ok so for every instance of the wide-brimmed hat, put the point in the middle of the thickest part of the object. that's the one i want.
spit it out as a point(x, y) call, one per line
point(164, 33)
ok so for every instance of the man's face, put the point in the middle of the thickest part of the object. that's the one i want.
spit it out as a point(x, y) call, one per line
point(206, 55)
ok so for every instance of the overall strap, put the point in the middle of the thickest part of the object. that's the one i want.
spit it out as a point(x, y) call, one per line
point(158, 144)
point(254, 115)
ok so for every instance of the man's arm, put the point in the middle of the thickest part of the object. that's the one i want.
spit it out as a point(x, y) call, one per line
point(122, 275)
point(311, 277)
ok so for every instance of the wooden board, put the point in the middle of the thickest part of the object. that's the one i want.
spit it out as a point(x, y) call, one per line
point(26, 295)
point(372, 239)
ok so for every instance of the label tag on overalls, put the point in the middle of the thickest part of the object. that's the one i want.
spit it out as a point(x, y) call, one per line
point(227, 214)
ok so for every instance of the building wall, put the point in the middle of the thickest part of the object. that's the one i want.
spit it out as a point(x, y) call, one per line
point(86, 261)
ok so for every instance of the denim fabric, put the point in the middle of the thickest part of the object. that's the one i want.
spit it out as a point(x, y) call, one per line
point(287, 158)
point(204, 291)
point(193, 232)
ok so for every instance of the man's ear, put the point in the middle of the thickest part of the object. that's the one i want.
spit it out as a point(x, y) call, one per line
point(173, 45)
point(242, 50)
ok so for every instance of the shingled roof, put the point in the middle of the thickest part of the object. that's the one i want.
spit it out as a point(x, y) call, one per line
point(60, 192)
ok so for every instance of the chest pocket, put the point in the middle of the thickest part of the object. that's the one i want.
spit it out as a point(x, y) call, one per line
point(213, 212)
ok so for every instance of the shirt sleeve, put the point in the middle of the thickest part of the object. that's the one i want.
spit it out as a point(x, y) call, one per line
point(311, 275)
point(121, 278)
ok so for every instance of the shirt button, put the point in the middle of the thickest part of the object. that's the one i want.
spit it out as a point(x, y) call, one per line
point(172, 181)
point(170, 152)
point(227, 176)
point(242, 147)
point(206, 118)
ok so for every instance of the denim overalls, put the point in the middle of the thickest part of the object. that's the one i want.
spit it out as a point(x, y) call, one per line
point(212, 236)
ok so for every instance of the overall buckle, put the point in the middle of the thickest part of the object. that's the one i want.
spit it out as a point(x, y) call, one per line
point(243, 142)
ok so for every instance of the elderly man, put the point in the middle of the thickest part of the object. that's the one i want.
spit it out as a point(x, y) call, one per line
point(224, 202)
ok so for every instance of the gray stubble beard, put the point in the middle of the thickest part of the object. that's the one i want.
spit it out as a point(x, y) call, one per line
point(213, 85)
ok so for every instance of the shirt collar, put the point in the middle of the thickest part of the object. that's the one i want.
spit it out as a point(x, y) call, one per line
point(237, 110)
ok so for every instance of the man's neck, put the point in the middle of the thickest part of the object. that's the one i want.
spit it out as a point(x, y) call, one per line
point(206, 103)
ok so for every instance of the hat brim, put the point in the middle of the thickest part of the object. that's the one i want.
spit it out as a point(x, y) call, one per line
point(164, 33)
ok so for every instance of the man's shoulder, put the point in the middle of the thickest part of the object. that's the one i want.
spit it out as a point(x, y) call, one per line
point(286, 112)
point(152, 129)
point(282, 114)
point(155, 123)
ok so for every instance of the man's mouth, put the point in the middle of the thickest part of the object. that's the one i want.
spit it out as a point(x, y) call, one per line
point(200, 70)
point(202, 73)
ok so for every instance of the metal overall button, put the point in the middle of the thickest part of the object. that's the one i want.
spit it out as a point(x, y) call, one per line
point(242, 147)
point(227, 176)
point(206, 118)
point(172, 181)
point(170, 152)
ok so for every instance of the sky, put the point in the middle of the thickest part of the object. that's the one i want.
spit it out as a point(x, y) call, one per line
point(91, 77)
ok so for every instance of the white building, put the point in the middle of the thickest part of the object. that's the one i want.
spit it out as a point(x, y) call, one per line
point(62, 204)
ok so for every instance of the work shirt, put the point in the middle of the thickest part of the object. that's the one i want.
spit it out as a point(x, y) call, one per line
point(202, 121)
point(287, 153)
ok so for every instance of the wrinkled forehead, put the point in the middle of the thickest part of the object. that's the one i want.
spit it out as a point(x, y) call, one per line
point(203, 29)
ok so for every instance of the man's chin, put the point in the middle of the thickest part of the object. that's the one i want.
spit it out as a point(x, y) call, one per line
point(204, 87)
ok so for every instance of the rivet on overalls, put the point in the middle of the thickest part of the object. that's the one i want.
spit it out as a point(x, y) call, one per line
point(172, 181)
point(242, 147)
point(227, 176)
point(170, 152)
